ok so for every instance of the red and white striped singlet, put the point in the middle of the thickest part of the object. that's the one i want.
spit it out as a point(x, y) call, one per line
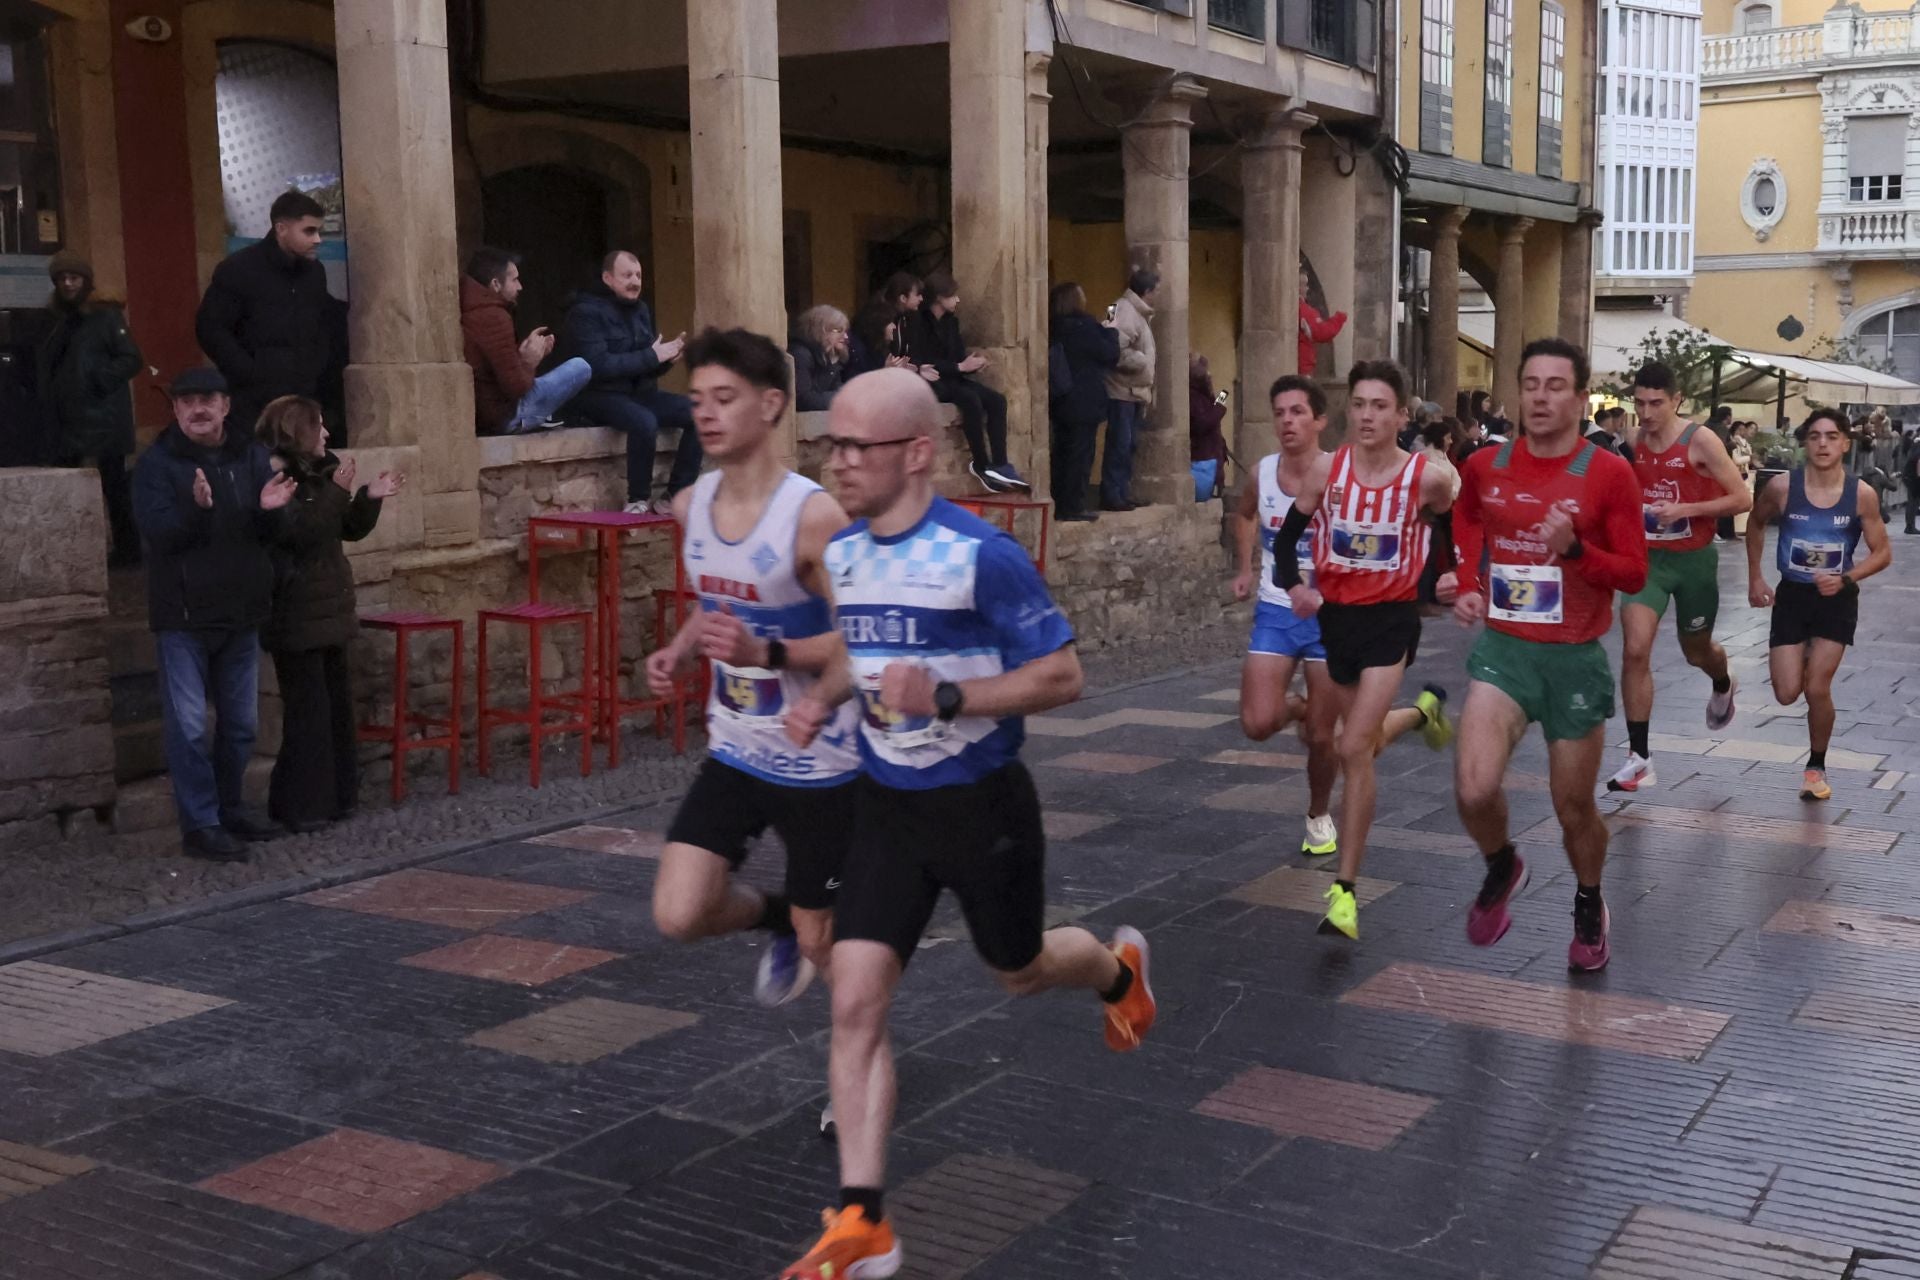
point(1370, 545)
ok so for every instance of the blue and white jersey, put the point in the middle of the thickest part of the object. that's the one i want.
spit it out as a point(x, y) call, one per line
point(1815, 540)
point(959, 597)
point(755, 579)
point(1275, 503)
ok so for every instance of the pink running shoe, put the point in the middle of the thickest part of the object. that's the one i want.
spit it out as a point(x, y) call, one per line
point(1589, 952)
point(1487, 918)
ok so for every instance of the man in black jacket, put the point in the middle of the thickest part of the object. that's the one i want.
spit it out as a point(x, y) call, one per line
point(609, 327)
point(83, 369)
point(270, 325)
point(207, 500)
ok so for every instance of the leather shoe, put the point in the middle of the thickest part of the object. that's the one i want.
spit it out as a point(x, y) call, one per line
point(248, 826)
point(1076, 517)
point(1117, 506)
point(213, 845)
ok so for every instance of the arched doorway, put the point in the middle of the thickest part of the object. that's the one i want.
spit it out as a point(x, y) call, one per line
point(559, 219)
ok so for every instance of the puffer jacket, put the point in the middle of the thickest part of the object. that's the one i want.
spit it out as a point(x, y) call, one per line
point(614, 336)
point(1132, 378)
point(85, 366)
point(500, 376)
point(208, 568)
point(313, 599)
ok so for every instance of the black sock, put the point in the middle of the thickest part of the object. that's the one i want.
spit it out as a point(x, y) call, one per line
point(1637, 737)
point(1500, 864)
point(1345, 884)
point(1121, 985)
point(776, 916)
point(1816, 759)
point(1723, 684)
point(1587, 893)
point(868, 1198)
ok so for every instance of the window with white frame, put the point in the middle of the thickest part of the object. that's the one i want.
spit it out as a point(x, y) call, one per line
point(1876, 158)
point(1892, 339)
point(1646, 137)
point(1553, 86)
point(1496, 134)
point(1757, 16)
point(1436, 76)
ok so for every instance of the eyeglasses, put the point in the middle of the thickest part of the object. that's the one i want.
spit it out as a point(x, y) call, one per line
point(856, 450)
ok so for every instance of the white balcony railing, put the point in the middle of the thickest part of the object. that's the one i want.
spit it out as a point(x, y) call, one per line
point(1844, 37)
point(1870, 232)
point(1760, 52)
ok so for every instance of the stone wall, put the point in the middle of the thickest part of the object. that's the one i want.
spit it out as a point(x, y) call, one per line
point(1137, 576)
point(56, 730)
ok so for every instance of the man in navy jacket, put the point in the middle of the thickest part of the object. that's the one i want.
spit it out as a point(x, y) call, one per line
point(609, 327)
point(207, 502)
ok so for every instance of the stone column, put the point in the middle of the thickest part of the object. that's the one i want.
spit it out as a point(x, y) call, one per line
point(409, 384)
point(1269, 269)
point(1509, 311)
point(995, 120)
point(1443, 308)
point(1576, 279)
point(1156, 150)
point(1037, 463)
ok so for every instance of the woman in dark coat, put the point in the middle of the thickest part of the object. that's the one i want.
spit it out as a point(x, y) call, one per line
point(316, 777)
point(1085, 348)
point(820, 357)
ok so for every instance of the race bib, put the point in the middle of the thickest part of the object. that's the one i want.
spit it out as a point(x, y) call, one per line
point(1529, 594)
point(1657, 532)
point(1817, 557)
point(1365, 545)
point(902, 732)
point(750, 694)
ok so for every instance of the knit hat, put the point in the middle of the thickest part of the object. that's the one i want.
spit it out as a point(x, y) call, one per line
point(69, 263)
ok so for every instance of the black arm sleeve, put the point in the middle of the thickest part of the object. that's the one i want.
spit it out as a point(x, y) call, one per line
point(1286, 547)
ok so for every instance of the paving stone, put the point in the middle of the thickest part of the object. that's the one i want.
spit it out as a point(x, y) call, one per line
point(389, 1258)
point(1556, 1013)
point(1059, 726)
point(509, 1214)
point(1290, 1104)
point(625, 842)
point(25, 1170)
point(437, 897)
point(1106, 762)
point(1064, 824)
point(641, 1149)
point(968, 1207)
point(1847, 924)
point(47, 1009)
point(1662, 1244)
point(1733, 828)
point(194, 1139)
point(1258, 759)
point(1304, 889)
point(358, 1182)
point(582, 1030)
point(522, 961)
point(1874, 1017)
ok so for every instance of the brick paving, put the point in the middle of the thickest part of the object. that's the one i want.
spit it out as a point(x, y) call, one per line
point(491, 1067)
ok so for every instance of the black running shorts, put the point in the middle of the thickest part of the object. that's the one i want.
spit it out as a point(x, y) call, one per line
point(983, 840)
point(1358, 636)
point(726, 807)
point(1801, 613)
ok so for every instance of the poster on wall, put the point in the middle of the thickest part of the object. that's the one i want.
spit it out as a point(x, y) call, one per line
point(325, 188)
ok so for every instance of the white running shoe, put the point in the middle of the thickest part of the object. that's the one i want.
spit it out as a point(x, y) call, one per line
point(1720, 706)
point(1322, 838)
point(1635, 775)
point(828, 1129)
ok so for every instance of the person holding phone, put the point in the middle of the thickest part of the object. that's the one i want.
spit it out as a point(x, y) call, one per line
point(510, 396)
point(1206, 410)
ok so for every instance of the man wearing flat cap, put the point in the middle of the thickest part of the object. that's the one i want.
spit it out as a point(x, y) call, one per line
point(83, 369)
point(208, 503)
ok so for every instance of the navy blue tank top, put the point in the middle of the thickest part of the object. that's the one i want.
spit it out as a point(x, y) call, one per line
point(1817, 539)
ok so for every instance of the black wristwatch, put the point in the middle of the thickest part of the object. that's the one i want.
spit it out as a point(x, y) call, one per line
point(947, 700)
point(776, 655)
point(1575, 549)
point(1847, 583)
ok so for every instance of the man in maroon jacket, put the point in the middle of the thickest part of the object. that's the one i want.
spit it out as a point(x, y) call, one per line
point(507, 398)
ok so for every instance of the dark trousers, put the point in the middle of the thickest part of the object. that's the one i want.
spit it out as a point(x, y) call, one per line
point(317, 775)
point(1072, 463)
point(641, 416)
point(1116, 465)
point(983, 416)
point(1913, 501)
point(116, 490)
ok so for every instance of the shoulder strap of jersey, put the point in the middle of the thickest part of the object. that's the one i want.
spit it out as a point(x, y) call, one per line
point(1501, 458)
point(1686, 437)
point(1850, 495)
point(1584, 460)
point(1797, 488)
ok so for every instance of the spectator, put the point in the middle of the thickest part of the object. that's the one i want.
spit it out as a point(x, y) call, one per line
point(1740, 449)
point(1610, 431)
point(1315, 329)
point(1720, 422)
point(903, 293)
point(609, 327)
point(1910, 476)
point(1129, 388)
point(876, 330)
point(208, 504)
point(508, 399)
point(270, 325)
point(820, 354)
point(316, 777)
point(934, 343)
point(1087, 349)
point(1205, 412)
point(1435, 437)
point(84, 366)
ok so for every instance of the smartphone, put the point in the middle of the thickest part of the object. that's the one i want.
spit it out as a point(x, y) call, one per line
point(1111, 312)
point(1221, 398)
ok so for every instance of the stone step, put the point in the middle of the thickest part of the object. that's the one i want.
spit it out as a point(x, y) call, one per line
point(138, 751)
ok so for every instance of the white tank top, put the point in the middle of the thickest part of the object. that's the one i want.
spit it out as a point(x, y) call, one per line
point(1275, 503)
point(755, 578)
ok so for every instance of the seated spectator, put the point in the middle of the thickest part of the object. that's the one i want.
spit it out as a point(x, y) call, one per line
point(876, 332)
point(609, 327)
point(316, 777)
point(507, 398)
point(934, 344)
point(1206, 411)
point(1315, 329)
point(83, 368)
point(209, 504)
point(820, 357)
point(1083, 349)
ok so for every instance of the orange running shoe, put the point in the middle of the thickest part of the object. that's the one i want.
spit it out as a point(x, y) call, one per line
point(851, 1249)
point(1131, 1016)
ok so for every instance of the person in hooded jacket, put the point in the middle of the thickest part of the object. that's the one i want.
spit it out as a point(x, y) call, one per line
point(316, 777)
point(84, 367)
point(1089, 349)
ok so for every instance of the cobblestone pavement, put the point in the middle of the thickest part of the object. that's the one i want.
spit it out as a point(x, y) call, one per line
point(491, 1065)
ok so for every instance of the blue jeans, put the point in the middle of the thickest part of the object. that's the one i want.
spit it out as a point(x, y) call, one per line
point(1204, 475)
point(641, 416)
point(550, 390)
point(208, 764)
point(1116, 462)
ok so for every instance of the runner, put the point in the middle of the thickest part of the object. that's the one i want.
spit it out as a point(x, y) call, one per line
point(1687, 482)
point(1369, 547)
point(1558, 521)
point(755, 533)
point(953, 639)
point(1281, 641)
point(1823, 510)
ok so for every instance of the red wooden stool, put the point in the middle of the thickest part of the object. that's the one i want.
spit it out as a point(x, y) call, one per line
point(1005, 509)
point(438, 733)
point(690, 697)
point(536, 618)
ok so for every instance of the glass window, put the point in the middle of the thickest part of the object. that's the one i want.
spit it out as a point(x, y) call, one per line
point(1553, 59)
point(30, 219)
point(1756, 17)
point(1436, 43)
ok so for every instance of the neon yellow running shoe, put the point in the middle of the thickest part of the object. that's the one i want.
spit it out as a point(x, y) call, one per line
point(1343, 913)
point(1437, 731)
point(1813, 785)
point(1322, 838)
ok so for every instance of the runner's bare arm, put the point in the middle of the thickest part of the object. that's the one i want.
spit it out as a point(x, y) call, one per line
point(1469, 534)
point(1246, 527)
point(820, 519)
point(1436, 489)
point(1874, 528)
point(1052, 680)
point(1711, 458)
point(1773, 497)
